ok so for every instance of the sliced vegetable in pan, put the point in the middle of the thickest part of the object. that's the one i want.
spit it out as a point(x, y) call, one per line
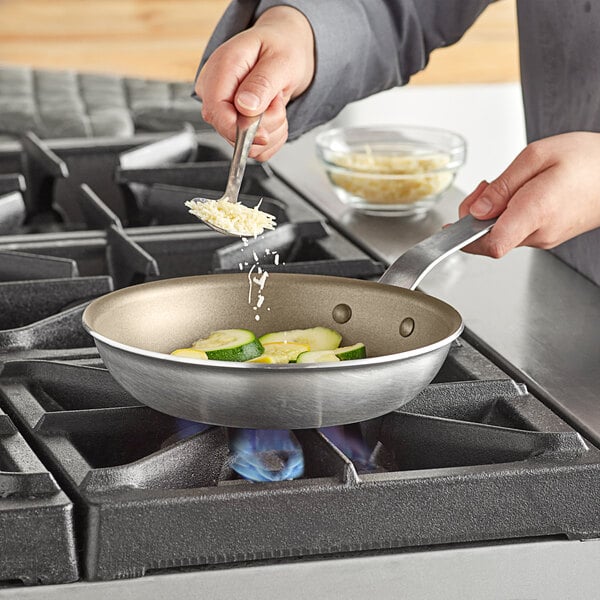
point(230, 344)
point(354, 352)
point(316, 344)
point(281, 352)
point(190, 353)
point(316, 338)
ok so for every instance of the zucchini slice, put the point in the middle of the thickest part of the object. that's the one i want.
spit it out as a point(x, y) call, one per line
point(281, 352)
point(353, 352)
point(316, 338)
point(190, 353)
point(263, 358)
point(230, 344)
point(317, 356)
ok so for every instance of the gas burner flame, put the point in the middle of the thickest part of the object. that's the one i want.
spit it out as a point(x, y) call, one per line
point(349, 440)
point(262, 455)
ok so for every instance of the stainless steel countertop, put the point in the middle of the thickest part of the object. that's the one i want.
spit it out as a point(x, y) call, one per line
point(529, 310)
point(549, 569)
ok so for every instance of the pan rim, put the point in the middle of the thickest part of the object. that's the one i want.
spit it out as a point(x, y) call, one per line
point(215, 364)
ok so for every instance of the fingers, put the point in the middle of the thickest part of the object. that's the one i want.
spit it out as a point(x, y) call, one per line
point(465, 205)
point(260, 90)
point(272, 133)
point(509, 197)
point(238, 78)
point(257, 72)
point(265, 81)
point(273, 117)
point(532, 198)
point(218, 82)
point(530, 209)
point(494, 199)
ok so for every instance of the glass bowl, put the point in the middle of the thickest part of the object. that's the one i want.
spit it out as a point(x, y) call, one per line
point(394, 170)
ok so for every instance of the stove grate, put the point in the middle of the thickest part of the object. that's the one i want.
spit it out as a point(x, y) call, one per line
point(37, 536)
point(465, 461)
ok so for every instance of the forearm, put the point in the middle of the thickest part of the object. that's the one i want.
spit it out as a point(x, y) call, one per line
point(361, 46)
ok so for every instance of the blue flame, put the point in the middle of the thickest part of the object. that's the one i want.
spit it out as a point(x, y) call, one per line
point(349, 441)
point(265, 454)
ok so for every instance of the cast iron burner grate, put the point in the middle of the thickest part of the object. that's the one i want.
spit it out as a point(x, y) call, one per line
point(474, 457)
point(37, 542)
point(46, 314)
point(52, 172)
point(12, 203)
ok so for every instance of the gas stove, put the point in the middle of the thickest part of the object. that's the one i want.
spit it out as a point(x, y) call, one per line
point(100, 494)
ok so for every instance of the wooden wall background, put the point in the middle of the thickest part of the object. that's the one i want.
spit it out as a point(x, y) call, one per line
point(163, 39)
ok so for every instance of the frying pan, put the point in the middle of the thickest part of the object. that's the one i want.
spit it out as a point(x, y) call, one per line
point(407, 335)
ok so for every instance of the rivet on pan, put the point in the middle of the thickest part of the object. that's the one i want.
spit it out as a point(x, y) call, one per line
point(407, 327)
point(341, 313)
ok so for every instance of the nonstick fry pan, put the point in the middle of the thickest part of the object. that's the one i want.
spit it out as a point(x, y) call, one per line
point(407, 335)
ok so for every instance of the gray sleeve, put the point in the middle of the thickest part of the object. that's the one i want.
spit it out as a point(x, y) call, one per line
point(362, 46)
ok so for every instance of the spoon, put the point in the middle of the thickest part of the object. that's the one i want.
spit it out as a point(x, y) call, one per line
point(245, 131)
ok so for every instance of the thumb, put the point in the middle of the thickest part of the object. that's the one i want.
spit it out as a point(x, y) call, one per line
point(465, 205)
point(260, 87)
point(494, 199)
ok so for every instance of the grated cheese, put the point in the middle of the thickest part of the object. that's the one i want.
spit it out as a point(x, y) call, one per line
point(257, 278)
point(392, 164)
point(250, 283)
point(233, 217)
point(392, 179)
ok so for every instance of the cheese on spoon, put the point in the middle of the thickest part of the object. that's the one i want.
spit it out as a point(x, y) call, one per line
point(233, 217)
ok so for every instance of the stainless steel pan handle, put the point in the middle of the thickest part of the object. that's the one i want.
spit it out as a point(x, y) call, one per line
point(408, 270)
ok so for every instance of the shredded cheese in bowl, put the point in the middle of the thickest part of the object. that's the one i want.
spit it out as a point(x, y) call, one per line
point(390, 169)
point(233, 217)
point(391, 179)
point(392, 164)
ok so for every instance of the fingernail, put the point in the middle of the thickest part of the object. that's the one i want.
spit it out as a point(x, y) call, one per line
point(481, 207)
point(248, 100)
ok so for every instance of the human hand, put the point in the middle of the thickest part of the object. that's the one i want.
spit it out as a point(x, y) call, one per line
point(259, 71)
point(547, 195)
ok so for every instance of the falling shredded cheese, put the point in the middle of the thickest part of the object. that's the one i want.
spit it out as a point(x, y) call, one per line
point(257, 276)
point(250, 283)
point(233, 217)
point(260, 281)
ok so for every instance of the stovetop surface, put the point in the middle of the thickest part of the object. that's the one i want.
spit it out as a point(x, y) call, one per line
point(95, 486)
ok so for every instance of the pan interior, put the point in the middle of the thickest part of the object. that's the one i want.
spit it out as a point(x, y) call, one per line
point(165, 315)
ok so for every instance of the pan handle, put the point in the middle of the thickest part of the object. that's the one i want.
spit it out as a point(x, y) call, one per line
point(408, 270)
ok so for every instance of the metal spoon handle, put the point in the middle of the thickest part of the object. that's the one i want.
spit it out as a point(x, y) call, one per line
point(408, 270)
point(244, 136)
